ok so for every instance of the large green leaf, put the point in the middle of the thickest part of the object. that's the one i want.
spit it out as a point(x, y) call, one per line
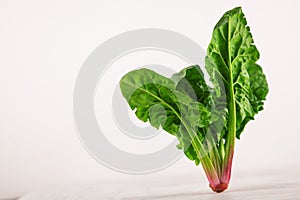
point(156, 100)
point(231, 63)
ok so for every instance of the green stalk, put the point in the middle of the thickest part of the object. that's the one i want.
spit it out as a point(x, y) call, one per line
point(229, 146)
point(214, 153)
point(209, 169)
point(226, 164)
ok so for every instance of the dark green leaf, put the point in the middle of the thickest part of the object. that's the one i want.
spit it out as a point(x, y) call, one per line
point(231, 63)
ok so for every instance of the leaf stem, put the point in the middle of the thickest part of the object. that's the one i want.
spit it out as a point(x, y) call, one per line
point(206, 163)
point(229, 146)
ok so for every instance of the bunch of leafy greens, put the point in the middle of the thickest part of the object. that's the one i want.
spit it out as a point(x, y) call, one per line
point(206, 120)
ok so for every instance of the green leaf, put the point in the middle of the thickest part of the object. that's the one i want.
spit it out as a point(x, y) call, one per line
point(156, 100)
point(231, 63)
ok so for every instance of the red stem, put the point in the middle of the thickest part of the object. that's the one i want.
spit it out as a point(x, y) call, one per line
point(224, 178)
point(227, 169)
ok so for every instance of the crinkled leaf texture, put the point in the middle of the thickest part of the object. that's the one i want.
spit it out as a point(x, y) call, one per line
point(155, 99)
point(186, 107)
point(231, 62)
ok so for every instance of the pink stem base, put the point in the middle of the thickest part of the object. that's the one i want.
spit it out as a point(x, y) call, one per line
point(223, 179)
point(219, 188)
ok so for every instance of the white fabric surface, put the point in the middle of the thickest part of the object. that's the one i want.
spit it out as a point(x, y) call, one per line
point(268, 184)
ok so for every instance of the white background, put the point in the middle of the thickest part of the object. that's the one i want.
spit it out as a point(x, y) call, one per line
point(44, 43)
